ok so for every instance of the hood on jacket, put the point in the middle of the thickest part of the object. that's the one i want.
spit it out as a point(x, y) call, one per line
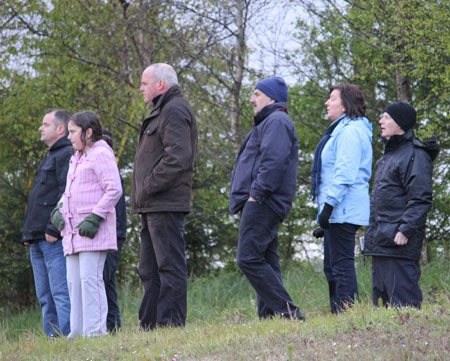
point(367, 125)
point(431, 146)
point(361, 122)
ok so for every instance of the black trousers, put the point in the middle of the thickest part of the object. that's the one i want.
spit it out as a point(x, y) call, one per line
point(162, 269)
point(339, 265)
point(396, 282)
point(257, 257)
point(113, 322)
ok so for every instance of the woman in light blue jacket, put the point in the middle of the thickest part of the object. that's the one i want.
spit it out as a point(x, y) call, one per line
point(340, 181)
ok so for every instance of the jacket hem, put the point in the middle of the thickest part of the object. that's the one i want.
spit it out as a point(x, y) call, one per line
point(390, 256)
point(351, 221)
point(89, 250)
point(163, 209)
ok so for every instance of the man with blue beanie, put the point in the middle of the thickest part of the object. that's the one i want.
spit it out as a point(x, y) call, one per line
point(262, 188)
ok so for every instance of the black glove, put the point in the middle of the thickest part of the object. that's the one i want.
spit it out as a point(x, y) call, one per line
point(57, 218)
point(318, 232)
point(89, 226)
point(324, 216)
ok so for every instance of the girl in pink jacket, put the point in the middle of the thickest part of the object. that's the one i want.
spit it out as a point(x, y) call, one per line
point(88, 223)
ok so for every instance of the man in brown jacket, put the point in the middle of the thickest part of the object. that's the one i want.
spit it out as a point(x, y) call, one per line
point(161, 193)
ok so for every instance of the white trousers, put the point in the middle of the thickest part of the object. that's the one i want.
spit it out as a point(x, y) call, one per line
point(89, 305)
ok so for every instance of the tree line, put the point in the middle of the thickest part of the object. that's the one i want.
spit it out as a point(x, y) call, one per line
point(89, 54)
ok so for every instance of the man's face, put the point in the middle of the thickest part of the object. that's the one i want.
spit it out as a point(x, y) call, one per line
point(49, 130)
point(259, 100)
point(389, 127)
point(149, 88)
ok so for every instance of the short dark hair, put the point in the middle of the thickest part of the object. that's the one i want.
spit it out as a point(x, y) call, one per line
point(352, 99)
point(62, 117)
point(85, 120)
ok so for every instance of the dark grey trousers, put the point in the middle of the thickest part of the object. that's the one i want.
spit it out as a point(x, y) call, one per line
point(396, 281)
point(162, 269)
point(257, 257)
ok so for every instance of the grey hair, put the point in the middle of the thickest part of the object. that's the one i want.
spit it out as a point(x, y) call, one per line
point(61, 117)
point(164, 72)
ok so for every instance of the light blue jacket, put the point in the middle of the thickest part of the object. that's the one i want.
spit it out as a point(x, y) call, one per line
point(346, 171)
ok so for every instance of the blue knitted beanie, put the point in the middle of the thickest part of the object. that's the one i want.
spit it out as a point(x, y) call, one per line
point(275, 88)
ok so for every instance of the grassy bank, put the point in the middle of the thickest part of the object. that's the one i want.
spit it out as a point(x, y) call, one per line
point(222, 325)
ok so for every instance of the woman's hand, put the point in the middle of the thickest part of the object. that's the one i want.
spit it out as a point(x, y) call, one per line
point(325, 215)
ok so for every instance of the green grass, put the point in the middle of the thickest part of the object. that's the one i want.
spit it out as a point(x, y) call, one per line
point(222, 325)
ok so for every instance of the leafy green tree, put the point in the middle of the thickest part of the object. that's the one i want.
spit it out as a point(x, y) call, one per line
point(396, 51)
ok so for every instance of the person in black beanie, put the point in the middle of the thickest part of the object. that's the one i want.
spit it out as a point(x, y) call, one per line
point(262, 188)
point(401, 197)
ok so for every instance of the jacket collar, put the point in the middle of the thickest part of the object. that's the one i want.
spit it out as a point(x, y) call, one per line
point(267, 110)
point(361, 122)
point(97, 144)
point(60, 143)
point(172, 92)
point(396, 140)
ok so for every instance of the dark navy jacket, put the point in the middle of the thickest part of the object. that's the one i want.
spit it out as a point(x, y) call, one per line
point(121, 219)
point(48, 186)
point(266, 166)
point(401, 197)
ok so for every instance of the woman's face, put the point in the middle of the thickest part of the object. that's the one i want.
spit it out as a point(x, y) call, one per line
point(334, 105)
point(75, 136)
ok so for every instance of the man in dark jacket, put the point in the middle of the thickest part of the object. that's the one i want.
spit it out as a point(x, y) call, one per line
point(262, 188)
point(44, 240)
point(401, 198)
point(161, 192)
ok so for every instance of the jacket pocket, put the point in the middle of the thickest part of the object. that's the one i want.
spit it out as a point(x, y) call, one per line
point(386, 232)
point(150, 188)
point(84, 210)
point(151, 129)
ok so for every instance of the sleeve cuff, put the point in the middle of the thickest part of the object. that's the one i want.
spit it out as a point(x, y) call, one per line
point(406, 231)
point(259, 197)
point(52, 233)
point(331, 201)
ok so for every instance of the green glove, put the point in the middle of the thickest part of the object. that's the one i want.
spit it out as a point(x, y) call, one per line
point(57, 218)
point(89, 226)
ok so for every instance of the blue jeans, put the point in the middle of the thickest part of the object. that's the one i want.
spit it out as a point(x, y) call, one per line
point(49, 269)
point(257, 257)
point(163, 271)
point(339, 265)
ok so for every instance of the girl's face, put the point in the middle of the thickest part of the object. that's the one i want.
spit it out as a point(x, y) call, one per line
point(75, 136)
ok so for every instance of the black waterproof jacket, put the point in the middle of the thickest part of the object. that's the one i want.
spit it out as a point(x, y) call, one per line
point(48, 187)
point(164, 162)
point(401, 197)
point(266, 166)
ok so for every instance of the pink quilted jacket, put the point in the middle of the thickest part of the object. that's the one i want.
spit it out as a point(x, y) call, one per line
point(93, 186)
